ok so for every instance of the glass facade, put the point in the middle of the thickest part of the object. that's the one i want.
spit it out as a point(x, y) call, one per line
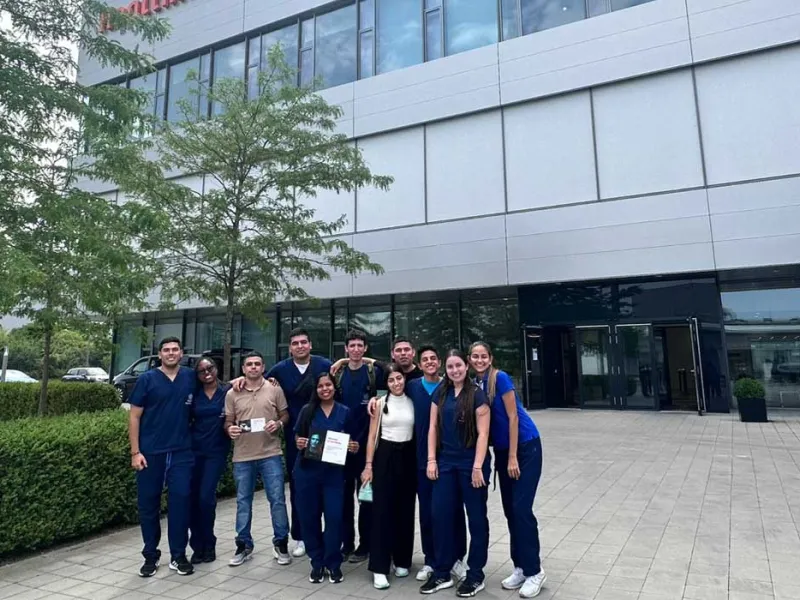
point(363, 39)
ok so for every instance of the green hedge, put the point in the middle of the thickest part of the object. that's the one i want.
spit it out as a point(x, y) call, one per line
point(19, 400)
point(65, 477)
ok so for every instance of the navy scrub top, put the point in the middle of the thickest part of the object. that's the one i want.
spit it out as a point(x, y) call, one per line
point(499, 426)
point(453, 453)
point(338, 420)
point(167, 408)
point(208, 421)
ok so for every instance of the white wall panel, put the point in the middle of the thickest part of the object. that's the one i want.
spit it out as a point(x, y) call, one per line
point(342, 96)
point(619, 45)
point(750, 116)
point(465, 167)
point(775, 193)
point(726, 27)
point(550, 152)
point(329, 205)
point(647, 137)
point(400, 154)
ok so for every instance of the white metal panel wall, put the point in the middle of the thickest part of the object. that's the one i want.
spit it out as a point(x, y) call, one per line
point(400, 154)
point(647, 136)
point(465, 167)
point(550, 152)
point(750, 115)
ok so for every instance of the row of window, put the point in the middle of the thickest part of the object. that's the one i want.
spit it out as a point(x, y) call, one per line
point(363, 39)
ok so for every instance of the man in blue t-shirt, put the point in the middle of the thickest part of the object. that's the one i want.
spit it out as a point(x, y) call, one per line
point(296, 376)
point(161, 453)
point(358, 381)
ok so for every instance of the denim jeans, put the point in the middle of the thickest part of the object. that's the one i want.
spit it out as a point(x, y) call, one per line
point(271, 471)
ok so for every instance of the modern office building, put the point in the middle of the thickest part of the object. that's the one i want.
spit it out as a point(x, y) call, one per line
point(607, 190)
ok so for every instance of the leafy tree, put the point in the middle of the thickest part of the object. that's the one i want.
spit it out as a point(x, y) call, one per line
point(249, 238)
point(66, 253)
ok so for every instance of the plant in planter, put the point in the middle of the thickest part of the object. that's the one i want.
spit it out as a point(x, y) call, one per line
point(750, 398)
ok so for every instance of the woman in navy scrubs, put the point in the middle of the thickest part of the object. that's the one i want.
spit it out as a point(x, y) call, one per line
point(518, 462)
point(459, 465)
point(319, 485)
point(211, 447)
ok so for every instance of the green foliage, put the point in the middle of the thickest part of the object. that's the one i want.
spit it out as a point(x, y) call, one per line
point(19, 400)
point(748, 388)
point(249, 237)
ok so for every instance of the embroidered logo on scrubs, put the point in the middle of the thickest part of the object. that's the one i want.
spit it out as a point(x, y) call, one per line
point(189, 399)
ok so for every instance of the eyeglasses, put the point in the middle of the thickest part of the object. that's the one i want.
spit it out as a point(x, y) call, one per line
point(207, 370)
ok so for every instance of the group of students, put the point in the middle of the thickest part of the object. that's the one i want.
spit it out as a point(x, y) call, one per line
point(427, 437)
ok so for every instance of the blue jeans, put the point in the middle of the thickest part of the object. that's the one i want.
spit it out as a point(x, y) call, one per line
point(271, 471)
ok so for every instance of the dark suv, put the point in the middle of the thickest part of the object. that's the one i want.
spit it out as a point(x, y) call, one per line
point(125, 381)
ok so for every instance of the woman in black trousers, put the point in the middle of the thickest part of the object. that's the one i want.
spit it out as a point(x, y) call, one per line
point(391, 468)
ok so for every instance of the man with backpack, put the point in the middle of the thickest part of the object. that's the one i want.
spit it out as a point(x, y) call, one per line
point(358, 381)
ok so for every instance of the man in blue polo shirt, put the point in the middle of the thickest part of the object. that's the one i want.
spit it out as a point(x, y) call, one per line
point(161, 452)
point(296, 376)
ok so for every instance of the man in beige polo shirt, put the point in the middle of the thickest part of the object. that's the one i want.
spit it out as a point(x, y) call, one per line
point(254, 419)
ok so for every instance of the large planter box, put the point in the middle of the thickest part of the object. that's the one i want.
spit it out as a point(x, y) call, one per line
point(752, 410)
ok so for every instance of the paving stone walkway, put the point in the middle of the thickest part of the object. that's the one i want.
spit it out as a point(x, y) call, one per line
point(639, 506)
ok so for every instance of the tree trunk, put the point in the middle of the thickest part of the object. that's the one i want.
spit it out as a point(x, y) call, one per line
point(48, 336)
point(226, 347)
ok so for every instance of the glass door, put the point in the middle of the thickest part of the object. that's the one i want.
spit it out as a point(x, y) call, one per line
point(532, 345)
point(637, 379)
point(594, 375)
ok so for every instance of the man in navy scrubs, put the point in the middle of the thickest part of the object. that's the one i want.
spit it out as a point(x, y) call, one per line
point(161, 452)
point(358, 382)
point(296, 376)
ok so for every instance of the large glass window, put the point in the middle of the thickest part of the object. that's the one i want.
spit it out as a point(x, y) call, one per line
point(260, 338)
point(211, 332)
point(469, 25)
point(317, 322)
point(433, 29)
point(335, 46)
point(366, 38)
point(762, 333)
point(493, 316)
point(153, 84)
point(376, 322)
point(229, 64)
point(434, 321)
point(538, 15)
point(510, 18)
point(180, 88)
point(129, 345)
point(399, 34)
point(287, 39)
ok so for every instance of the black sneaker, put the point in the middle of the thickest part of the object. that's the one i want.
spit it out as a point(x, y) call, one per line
point(210, 556)
point(435, 584)
point(467, 589)
point(181, 565)
point(359, 556)
point(316, 576)
point(336, 576)
point(198, 557)
point(150, 566)
point(346, 554)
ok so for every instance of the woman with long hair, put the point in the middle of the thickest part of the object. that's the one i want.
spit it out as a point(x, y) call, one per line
point(518, 463)
point(391, 468)
point(211, 447)
point(319, 485)
point(459, 465)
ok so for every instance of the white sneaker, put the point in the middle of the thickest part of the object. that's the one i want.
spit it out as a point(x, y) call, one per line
point(459, 570)
point(379, 581)
point(299, 550)
point(400, 572)
point(533, 585)
point(514, 581)
point(424, 573)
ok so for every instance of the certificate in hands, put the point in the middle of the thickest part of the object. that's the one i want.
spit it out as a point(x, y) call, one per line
point(327, 446)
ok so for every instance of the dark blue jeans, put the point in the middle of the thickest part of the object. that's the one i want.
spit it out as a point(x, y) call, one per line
point(205, 478)
point(173, 469)
point(271, 471)
point(518, 496)
point(452, 491)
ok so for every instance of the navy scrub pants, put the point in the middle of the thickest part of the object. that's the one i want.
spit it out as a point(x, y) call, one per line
point(320, 490)
point(352, 485)
point(425, 495)
point(296, 529)
point(518, 496)
point(451, 491)
point(175, 470)
point(206, 474)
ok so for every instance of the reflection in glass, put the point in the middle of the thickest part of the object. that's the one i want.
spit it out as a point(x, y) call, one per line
point(318, 324)
point(597, 7)
point(307, 67)
point(433, 35)
point(129, 345)
point(432, 323)
point(377, 324)
point(621, 4)
point(399, 34)
point(211, 333)
point(637, 366)
point(260, 338)
point(469, 25)
point(593, 349)
point(538, 15)
point(181, 89)
point(228, 64)
point(335, 46)
point(510, 16)
point(495, 321)
point(286, 38)
point(367, 54)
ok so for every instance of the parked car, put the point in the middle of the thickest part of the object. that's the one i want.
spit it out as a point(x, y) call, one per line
point(86, 375)
point(13, 376)
point(125, 381)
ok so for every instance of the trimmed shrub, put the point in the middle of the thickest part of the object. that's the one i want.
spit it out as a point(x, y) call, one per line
point(19, 400)
point(748, 388)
